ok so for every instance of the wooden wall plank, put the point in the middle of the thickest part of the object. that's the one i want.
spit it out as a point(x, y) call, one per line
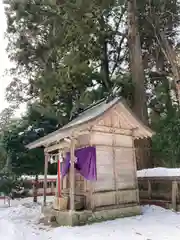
point(114, 198)
point(124, 168)
point(123, 140)
point(111, 139)
point(98, 138)
point(127, 196)
point(104, 199)
point(105, 173)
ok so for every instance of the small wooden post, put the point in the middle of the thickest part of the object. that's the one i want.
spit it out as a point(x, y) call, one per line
point(56, 187)
point(52, 188)
point(45, 175)
point(149, 190)
point(33, 190)
point(174, 195)
point(72, 176)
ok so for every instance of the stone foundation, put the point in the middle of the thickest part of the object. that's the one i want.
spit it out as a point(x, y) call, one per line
point(68, 218)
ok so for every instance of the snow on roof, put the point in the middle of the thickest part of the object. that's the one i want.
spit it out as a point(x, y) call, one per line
point(40, 177)
point(159, 172)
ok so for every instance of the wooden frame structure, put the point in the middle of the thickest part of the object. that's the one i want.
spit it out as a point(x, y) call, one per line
point(161, 191)
point(111, 128)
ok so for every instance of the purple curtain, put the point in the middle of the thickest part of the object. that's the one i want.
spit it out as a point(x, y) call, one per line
point(85, 163)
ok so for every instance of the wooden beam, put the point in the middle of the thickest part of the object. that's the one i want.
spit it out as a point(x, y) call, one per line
point(56, 147)
point(79, 133)
point(64, 144)
point(116, 131)
point(72, 176)
point(45, 175)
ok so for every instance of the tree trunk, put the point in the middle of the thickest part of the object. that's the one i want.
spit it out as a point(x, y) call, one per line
point(170, 55)
point(35, 189)
point(136, 64)
point(143, 152)
point(105, 65)
point(160, 66)
point(104, 58)
point(8, 166)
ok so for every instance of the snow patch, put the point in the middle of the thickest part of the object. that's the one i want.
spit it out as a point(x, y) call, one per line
point(159, 172)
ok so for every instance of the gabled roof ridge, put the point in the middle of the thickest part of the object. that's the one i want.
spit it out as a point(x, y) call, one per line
point(87, 115)
point(94, 104)
point(82, 114)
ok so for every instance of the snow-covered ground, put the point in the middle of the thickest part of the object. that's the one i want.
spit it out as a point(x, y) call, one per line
point(159, 172)
point(21, 222)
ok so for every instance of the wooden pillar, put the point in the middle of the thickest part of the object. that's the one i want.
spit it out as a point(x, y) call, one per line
point(174, 195)
point(72, 176)
point(135, 167)
point(65, 179)
point(149, 189)
point(45, 175)
point(114, 167)
point(61, 162)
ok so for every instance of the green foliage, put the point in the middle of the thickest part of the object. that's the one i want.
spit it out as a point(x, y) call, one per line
point(62, 49)
point(69, 54)
point(29, 128)
point(8, 182)
point(166, 145)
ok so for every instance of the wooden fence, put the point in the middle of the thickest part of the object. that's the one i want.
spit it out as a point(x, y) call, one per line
point(161, 191)
point(143, 153)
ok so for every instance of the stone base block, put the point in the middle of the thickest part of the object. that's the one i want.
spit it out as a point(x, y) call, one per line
point(68, 218)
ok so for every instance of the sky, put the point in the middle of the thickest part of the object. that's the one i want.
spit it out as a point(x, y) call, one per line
point(5, 64)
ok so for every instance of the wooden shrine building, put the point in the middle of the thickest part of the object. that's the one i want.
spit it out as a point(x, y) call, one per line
point(99, 163)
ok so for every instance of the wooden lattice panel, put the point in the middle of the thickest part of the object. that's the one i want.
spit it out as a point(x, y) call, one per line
point(79, 182)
